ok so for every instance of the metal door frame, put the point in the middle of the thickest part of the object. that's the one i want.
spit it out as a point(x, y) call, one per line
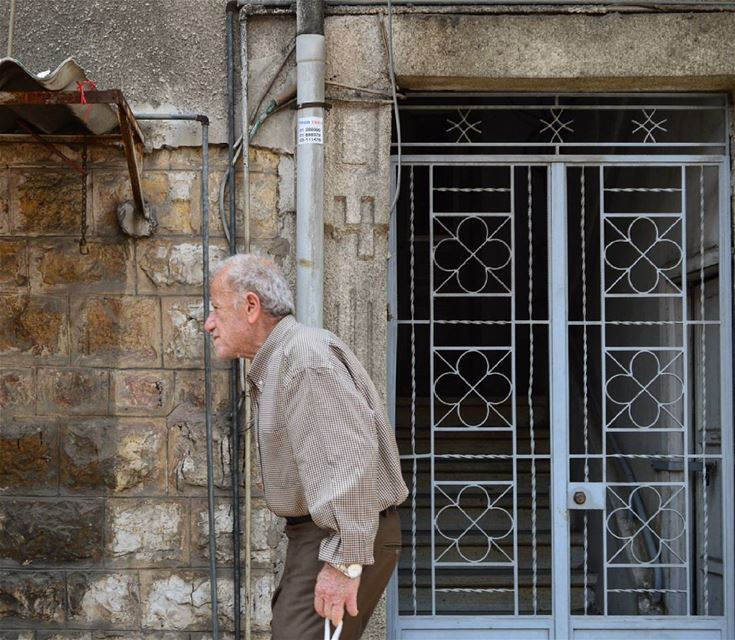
point(561, 624)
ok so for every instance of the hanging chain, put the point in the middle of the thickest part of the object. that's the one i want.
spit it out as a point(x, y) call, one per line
point(83, 248)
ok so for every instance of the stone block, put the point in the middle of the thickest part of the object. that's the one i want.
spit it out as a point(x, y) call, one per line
point(261, 593)
point(79, 392)
point(122, 331)
point(100, 457)
point(34, 154)
point(141, 393)
point(57, 265)
point(169, 266)
point(17, 392)
point(46, 202)
point(34, 329)
point(180, 600)
point(50, 531)
point(4, 204)
point(183, 333)
point(223, 522)
point(266, 536)
point(13, 263)
point(146, 533)
point(286, 184)
point(172, 196)
point(17, 635)
point(187, 451)
point(32, 598)
point(179, 210)
point(64, 635)
point(264, 205)
point(29, 461)
point(263, 160)
point(189, 389)
point(104, 599)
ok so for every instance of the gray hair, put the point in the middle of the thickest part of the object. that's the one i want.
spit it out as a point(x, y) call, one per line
point(245, 272)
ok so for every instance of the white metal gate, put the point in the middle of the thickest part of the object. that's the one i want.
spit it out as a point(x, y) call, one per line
point(562, 381)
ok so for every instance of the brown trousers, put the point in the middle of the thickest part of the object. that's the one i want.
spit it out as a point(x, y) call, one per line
point(294, 617)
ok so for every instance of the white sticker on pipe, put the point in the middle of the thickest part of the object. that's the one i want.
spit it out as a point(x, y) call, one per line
point(311, 130)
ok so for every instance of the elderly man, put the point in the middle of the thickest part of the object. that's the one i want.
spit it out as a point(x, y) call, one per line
point(328, 454)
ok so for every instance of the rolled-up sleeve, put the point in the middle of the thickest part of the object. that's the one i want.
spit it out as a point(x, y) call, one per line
point(332, 433)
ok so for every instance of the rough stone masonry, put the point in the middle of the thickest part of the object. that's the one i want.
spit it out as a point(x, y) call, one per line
point(103, 527)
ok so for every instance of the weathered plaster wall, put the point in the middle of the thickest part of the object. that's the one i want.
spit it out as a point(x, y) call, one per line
point(566, 52)
point(166, 55)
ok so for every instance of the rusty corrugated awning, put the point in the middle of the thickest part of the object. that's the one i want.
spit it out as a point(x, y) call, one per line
point(63, 106)
point(52, 118)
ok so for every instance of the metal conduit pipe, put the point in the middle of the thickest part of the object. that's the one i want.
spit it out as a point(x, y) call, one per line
point(246, 240)
point(310, 67)
point(231, 11)
point(204, 122)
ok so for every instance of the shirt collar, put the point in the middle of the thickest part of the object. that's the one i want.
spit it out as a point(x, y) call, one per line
point(259, 364)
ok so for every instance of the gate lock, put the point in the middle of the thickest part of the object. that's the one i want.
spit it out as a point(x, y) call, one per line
point(586, 495)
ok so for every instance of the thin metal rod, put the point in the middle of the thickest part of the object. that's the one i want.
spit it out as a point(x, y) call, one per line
point(204, 122)
point(232, 10)
point(246, 243)
point(11, 28)
point(208, 382)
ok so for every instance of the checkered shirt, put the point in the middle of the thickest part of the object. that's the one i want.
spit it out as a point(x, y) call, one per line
point(326, 445)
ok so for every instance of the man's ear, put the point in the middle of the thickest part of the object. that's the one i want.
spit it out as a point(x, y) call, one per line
point(252, 307)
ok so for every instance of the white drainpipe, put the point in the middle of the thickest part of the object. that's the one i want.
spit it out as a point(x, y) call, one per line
point(310, 65)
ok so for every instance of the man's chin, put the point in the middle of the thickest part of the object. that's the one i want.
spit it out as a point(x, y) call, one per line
point(221, 354)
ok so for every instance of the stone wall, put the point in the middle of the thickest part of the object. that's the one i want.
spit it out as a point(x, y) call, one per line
point(103, 521)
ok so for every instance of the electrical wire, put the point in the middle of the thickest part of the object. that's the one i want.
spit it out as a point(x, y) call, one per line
point(223, 187)
point(392, 73)
point(291, 48)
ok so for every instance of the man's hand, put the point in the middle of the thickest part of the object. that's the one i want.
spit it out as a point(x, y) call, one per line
point(333, 593)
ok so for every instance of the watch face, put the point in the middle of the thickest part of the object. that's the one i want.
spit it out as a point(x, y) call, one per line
point(354, 570)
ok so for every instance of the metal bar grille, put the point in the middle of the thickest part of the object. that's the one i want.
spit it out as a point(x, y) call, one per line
point(647, 324)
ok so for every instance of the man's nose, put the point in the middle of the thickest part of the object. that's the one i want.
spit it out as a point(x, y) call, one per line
point(209, 323)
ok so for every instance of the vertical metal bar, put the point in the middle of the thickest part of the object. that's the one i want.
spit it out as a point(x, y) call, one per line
point(585, 376)
point(516, 557)
point(531, 425)
point(232, 11)
point(687, 425)
point(703, 360)
point(603, 368)
point(208, 382)
point(414, 468)
point(560, 402)
point(726, 390)
point(431, 377)
point(244, 69)
point(392, 609)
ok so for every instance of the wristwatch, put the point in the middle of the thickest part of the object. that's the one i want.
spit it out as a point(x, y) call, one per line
point(350, 570)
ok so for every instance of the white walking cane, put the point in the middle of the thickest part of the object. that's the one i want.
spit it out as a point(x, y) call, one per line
point(327, 628)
